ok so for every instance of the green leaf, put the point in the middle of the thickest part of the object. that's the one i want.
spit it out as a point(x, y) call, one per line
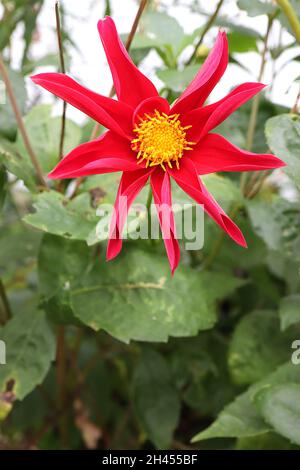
point(73, 219)
point(283, 136)
point(222, 188)
point(17, 164)
point(8, 124)
point(176, 79)
point(21, 245)
point(145, 302)
point(225, 22)
point(71, 260)
point(280, 407)
point(289, 311)
point(56, 279)
point(265, 222)
point(44, 131)
point(257, 347)
point(256, 7)
point(155, 398)
point(277, 222)
point(268, 441)
point(158, 29)
point(30, 348)
point(241, 42)
point(241, 418)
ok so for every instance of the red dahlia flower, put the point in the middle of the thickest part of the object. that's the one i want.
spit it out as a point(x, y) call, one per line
point(148, 139)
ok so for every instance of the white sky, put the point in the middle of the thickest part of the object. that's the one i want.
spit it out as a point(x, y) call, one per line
point(88, 65)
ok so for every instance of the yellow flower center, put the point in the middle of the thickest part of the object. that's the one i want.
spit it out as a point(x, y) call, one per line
point(160, 140)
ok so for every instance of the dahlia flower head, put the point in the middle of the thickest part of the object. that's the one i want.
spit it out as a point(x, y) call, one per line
point(147, 139)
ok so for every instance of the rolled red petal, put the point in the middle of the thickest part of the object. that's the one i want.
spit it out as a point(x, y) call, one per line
point(130, 186)
point(189, 181)
point(130, 83)
point(206, 79)
point(108, 153)
point(215, 153)
point(207, 118)
point(112, 114)
point(148, 106)
point(161, 188)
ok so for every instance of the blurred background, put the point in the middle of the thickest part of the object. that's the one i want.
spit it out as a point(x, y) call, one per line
point(87, 62)
point(92, 363)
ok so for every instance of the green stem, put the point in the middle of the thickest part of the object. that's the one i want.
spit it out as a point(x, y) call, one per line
point(291, 16)
point(218, 244)
point(63, 70)
point(255, 102)
point(20, 122)
point(61, 384)
point(206, 28)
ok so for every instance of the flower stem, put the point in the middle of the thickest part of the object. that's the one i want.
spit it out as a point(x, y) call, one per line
point(63, 70)
point(61, 383)
point(255, 102)
point(6, 313)
point(218, 244)
point(206, 28)
point(291, 16)
point(20, 123)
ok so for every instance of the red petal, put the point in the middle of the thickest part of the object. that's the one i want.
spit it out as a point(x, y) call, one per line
point(187, 178)
point(108, 112)
point(108, 153)
point(161, 188)
point(131, 85)
point(206, 79)
point(157, 103)
point(205, 119)
point(130, 186)
point(214, 153)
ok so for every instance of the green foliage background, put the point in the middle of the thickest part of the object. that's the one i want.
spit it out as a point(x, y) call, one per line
point(121, 355)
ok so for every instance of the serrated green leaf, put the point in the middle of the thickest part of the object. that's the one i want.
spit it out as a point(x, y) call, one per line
point(56, 279)
point(73, 219)
point(241, 418)
point(30, 349)
point(280, 407)
point(283, 137)
point(257, 347)
point(17, 164)
point(268, 441)
point(289, 311)
point(44, 131)
point(144, 302)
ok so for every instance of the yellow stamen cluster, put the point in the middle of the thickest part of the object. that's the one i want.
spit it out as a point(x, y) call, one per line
point(161, 140)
